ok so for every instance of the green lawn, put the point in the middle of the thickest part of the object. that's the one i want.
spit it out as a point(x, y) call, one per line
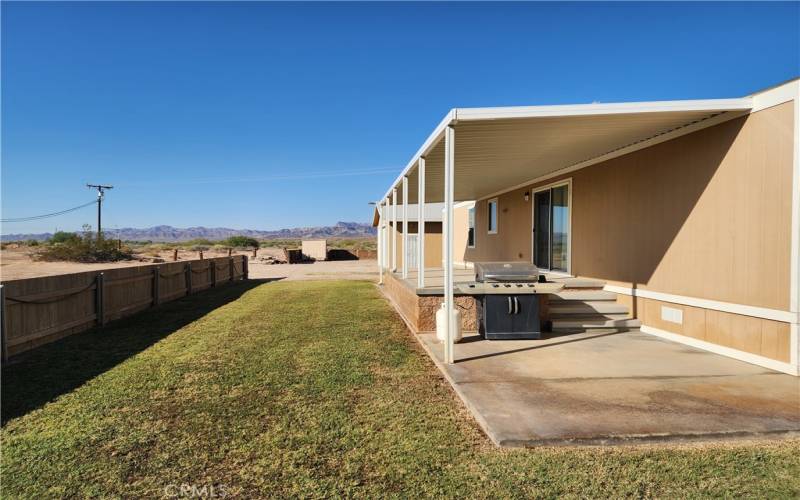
point(304, 389)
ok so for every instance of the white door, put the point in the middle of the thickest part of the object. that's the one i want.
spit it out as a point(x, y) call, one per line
point(411, 252)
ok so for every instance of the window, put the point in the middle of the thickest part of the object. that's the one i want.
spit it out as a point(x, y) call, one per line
point(492, 216)
point(471, 226)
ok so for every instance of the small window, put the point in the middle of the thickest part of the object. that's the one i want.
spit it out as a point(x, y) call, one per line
point(492, 216)
point(471, 230)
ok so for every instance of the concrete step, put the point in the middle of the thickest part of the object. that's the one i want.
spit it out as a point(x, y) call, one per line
point(587, 307)
point(589, 316)
point(592, 295)
point(578, 323)
point(579, 283)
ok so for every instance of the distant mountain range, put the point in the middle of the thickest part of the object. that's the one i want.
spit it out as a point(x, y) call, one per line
point(169, 233)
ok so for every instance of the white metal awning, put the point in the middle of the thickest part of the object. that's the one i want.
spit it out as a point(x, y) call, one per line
point(476, 153)
point(500, 148)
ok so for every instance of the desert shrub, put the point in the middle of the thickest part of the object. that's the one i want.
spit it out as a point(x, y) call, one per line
point(280, 243)
point(63, 237)
point(32, 243)
point(85, 248)
point(199, 248)
point(242, 242)
point(197, 241)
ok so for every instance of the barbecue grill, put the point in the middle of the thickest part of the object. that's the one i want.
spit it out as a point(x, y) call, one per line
point(522, 272)
point(510, 305)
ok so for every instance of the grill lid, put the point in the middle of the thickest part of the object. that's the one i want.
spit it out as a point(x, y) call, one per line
point(505, 271)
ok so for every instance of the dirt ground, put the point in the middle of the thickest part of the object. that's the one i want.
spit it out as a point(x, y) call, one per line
point(16, 263)
point(342, 269)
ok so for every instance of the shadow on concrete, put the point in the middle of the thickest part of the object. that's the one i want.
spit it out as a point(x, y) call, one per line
point(37, 377)
point(531, 348)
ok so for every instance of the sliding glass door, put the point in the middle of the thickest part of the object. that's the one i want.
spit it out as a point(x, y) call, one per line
point(551, 228)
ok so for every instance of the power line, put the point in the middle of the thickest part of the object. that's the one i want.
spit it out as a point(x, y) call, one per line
point(45, 216)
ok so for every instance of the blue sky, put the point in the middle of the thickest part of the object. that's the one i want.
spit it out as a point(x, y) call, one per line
point(245, 114)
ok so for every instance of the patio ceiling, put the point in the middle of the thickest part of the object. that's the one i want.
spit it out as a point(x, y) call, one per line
point(500, 148)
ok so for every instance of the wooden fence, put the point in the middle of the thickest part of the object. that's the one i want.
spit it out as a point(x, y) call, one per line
point(37, 311)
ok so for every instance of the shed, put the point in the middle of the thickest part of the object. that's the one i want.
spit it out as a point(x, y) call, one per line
point(315, 249)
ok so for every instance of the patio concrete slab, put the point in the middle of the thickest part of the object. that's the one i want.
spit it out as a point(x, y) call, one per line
point(608, 387)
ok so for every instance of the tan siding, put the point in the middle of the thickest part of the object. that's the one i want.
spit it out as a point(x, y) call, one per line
point(705, 215)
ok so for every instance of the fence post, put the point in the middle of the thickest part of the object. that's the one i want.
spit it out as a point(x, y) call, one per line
point(175, 255)
point(156, 285)
point(230, 252)
point(188, 278)
point(3, 322)
point(213, 272)
point(99, 297)
point(201, 255)
point(245, 270)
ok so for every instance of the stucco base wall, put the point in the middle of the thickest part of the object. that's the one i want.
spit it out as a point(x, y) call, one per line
point(420, 311)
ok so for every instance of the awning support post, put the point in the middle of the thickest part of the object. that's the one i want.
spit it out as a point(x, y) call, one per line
point(449, 147)
point(394, 230)
point(380, 242)
point(405, 228)
point(421, 224)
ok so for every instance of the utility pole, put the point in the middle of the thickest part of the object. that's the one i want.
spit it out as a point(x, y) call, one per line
point(100, 190)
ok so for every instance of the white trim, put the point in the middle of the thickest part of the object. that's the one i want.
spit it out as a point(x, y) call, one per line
point(776, 95)
point(711, 105)
point(794, 278)
point(674, 134)
point(745, 310)
point(563, 182)
point(489, 216)
point(725, 351)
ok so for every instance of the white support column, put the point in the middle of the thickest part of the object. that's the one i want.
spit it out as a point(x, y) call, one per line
point(386, 244)
point(380, 242)
point(449, 157)
point(421, 224)
point(405, 228)
point(393, 235)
